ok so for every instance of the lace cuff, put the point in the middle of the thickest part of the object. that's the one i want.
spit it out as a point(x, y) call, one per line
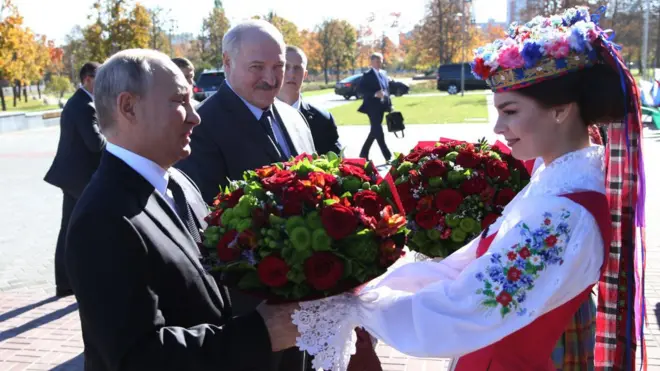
point(326, 330)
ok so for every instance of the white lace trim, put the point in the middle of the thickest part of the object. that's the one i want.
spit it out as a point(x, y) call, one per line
point(326, 330)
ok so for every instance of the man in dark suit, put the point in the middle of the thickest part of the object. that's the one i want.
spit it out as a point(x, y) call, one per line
point(145, 301)
point(78, 155)
point(321, 122)
point(188, 70)
point(244, 127)
point(376, 101)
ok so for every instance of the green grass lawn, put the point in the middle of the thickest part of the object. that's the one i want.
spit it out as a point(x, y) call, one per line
point(423, 110)
point(312, 93)
point(30, 106)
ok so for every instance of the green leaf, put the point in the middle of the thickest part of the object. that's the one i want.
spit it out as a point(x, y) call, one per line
point(300, 290)
point(505, 311)
point(296, 276)
point(250, 280)
point(490, 303)
point(489, 293)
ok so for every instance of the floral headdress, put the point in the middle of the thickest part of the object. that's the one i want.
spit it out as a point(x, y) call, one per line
point(549, 47)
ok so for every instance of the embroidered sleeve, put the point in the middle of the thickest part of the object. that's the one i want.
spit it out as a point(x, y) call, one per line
point(546, 252)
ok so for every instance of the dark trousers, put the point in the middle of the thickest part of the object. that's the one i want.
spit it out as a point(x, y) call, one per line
point(376, 133)
point(61, 279)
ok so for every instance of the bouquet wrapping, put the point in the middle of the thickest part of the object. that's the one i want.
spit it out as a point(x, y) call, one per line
point(452, 190)
point(305, 229)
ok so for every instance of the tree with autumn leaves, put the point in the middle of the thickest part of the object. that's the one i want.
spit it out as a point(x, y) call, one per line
point(24, 57)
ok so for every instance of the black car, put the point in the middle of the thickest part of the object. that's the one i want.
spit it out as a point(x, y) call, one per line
point(449, 78)
point(208, 83)
point(347, 87)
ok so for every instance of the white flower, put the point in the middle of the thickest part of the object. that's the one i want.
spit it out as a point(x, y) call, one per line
point(536, 259)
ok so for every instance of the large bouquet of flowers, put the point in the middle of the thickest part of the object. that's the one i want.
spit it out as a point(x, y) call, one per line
point(305, 229)
point(452, 190)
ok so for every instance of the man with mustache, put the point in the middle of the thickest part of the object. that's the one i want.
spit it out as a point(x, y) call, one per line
point(243, 127)
point(321, 122)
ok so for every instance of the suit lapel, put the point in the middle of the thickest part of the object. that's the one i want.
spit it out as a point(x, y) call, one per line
point(247, 123)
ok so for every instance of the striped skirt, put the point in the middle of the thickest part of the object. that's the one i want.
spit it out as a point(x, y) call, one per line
point(575, 349)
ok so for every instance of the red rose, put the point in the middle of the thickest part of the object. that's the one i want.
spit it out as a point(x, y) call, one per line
point(370, 201)
point(481, 69)
point(247, 239)
point(414, 157)
point(474, 186)
point(513, 274)
point(441, 150)
point(278, 181)
point(434, 168)
point(349, 169)
point(511, 255)
point(448, 200)
point(498, 169)
point(504, 196)
point(296, 196)
point(414, 176)
point(259, 218)
point(425, 203)
point(427, 219)
point(467, 159)
point(551, 241)
point(407, 200)
point(504, 298)
point(229, 200)
point(524, 253)
point(225, 253)
point(214, 219)
point(339, 221)
point(547, 221)
point(272, 271)
point(303, 156)
point(323, 270)
point(488, 220)
point(487, 194)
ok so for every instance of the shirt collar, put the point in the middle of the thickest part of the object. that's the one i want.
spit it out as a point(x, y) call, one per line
point(256, 111)
point(152, 172)
point(297, 103)
point(88, 93)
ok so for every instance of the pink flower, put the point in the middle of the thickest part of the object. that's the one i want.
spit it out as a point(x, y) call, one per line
point(510, 57)
point(559, 48)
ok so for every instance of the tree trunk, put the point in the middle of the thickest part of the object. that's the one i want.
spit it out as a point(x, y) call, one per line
point(25, 92)
point(325, 72)
point(17, 93)
point(2, 99)
point(656, 61)
point(39, 90)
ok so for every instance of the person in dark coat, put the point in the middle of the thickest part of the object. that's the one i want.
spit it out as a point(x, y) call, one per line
point(78, 155)
point(321, 122)
point(374, 88)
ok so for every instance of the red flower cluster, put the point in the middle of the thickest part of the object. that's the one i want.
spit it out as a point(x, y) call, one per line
point(310, 227)
point(452, 190)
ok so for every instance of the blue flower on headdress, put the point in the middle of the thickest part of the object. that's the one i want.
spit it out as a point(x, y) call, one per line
point(531, 53)
point(578, 38)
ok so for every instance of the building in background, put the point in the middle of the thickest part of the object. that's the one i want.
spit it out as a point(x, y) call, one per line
point(514, 8)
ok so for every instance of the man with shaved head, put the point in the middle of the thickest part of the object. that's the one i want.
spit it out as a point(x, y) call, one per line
point(244, 127)
point(132, 257)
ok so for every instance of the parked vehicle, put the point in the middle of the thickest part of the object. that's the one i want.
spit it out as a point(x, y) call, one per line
point(449, 78)
point(208, 83)
point(347, 87)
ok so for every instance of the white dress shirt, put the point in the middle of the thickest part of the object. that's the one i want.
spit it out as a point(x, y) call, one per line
point(277, 129)
point(296, 104)
point(152, 172)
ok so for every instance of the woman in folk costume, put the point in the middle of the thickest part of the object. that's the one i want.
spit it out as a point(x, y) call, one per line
point(503, 301)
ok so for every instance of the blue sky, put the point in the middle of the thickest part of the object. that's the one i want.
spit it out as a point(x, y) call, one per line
point(56, 18)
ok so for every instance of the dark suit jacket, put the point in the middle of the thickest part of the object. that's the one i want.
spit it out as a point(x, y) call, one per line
point(79, 150)
point(230, 140)
point(371, 83)
point(145, 301)
point(323, 127)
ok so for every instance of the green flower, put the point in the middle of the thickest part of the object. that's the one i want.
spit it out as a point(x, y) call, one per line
point(452, 220)
point(361, 247)
point(455, 177)
point(494, 155)
point(313, 220)
point(243, 224)
point(420, 238)
point(436, 181)
point(322, 164)
point(293, 222)
point(469, 225)
point(300, 238)
point(351, 184)
point(366, 186)
point(433, 234)
point(457, 235)
point(451, 156)
point(227, 216)
point(275, 220)
point(405, 167)
point(321, 241)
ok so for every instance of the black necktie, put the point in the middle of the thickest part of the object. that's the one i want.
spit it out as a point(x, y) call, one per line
point(266, 122)
point(183, 209)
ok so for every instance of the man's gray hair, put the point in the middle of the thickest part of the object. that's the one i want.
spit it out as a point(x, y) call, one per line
point(231, 42)
point(377, 55)
point(129, 71)
point(300, 52)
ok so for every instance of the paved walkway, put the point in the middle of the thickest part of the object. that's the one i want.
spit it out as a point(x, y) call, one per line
point(39, 332)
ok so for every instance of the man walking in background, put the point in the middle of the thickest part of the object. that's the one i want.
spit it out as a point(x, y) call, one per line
point(188, 70)
point(78, 155)
point(374, 88)
point(321, 122)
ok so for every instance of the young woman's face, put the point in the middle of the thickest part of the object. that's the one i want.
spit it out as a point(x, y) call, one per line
point(528, 128)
